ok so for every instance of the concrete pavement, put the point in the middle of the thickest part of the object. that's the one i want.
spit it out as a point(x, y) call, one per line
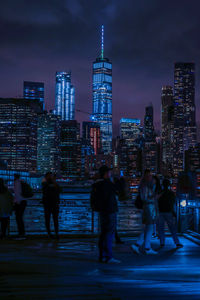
point(68, 269)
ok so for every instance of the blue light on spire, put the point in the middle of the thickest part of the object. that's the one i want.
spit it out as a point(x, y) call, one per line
point(102, 41)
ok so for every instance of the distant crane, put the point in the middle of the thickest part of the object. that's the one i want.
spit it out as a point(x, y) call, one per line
point(84, 112)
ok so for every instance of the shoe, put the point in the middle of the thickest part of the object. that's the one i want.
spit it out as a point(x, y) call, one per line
point(178, 246)
point(119, 242)
point(150, 252)
point(102, 260)
point(136, 248)
point(113, 261)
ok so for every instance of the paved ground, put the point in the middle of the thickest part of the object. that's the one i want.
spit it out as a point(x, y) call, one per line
point(68, 269)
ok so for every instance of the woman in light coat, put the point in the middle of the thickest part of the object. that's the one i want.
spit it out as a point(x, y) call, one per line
point(147, 192)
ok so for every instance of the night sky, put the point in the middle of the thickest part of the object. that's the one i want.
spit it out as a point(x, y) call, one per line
point(143, 39)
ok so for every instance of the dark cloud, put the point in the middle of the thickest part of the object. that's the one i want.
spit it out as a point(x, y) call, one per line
point(142, 38)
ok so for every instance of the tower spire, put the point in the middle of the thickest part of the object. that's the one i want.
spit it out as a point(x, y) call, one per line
point(102, 41)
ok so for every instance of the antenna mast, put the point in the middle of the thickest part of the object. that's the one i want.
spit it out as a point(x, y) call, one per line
point(102, 41)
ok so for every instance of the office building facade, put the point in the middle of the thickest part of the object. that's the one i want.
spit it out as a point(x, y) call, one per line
point(167, 127)
point(149, 154)
point(130, 130)
point(18, 133)
point(91, 136)
point(48, 145)
point(65, 97)
point(70, 149)
point(184, 112)
point(34, 90)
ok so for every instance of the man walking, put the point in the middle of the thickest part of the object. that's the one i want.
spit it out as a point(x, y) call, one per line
point(167, 215)
point(103, 200)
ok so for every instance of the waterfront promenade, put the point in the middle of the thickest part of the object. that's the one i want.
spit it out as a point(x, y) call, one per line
point(38, 268)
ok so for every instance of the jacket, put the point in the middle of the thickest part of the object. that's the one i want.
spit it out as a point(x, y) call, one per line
point(148, 197)
point(6, 204)
point(166, 202)
point(51, 193)
point(107, 196)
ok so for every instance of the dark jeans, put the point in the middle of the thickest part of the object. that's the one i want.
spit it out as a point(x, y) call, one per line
point(108, 228)
point(172, 225)
point(19, 213)
point(4, 225)
point(54, 211)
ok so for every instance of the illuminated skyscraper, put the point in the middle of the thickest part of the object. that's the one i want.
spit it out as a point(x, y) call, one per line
point(18, 133)
point(34, 90)
point(91, 135)
point(130, 130)
point(184, 112)
point(48, 150)
point(65, 97)
point(167, 129)
point(102, 97)
point(70, 149)
point(150, 147)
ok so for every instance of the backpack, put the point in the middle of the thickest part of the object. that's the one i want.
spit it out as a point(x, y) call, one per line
point(95, 197)
point(27, 191)
point(138, 202)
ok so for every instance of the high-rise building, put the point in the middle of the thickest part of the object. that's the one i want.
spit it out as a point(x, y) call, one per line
point(149, 154)
point(102, 97)
point(167, 127)
point(130, 130)
point(184, 112)
point(48, 146)
point(129, 159)
point(34, 90)
point(192, 158)
point(91, 135)
point(65, 97)
point(70, 149)
point(149, 134)
point(18, 133)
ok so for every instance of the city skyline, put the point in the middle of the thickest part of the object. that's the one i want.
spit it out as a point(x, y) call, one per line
point(149, 62)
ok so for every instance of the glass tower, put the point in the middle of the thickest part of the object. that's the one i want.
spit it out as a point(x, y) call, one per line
point(65, 97)
point(102, 97)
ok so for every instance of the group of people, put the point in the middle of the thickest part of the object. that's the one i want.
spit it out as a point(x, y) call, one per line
point(16, 202)
point(155, 201)
point(10, 202)
point(157, 208)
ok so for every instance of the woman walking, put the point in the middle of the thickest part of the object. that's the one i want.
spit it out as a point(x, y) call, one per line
point(147, 192)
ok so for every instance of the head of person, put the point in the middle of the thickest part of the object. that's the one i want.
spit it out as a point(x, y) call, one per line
point(16, 176)
point(105, 172)
point(147, 175)
point(2, 186)
point(48, 176)
point(166, 184)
